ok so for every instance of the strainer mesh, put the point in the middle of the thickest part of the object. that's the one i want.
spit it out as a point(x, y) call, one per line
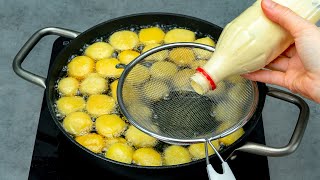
point(159, 98)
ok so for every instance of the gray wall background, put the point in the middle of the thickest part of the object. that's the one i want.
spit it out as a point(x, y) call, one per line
point(21, 101)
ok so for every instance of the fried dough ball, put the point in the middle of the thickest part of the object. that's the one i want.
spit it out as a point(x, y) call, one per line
point(107, 68)
point(147, 157)
point(140, 111)
point(120, 152)
point(110, 125)
point(238, 94)
point(231, 138)
point(93, 84)
point(70, 104)
point(202, 53)
point(138, 75)
point(92, 141)
point(80, 66)
point(125, 57)
point(174, 155)
point(182, 56)
point(130, 94)
point(163, 70)
point(230, 114)
point(181, 79)
point(197, 150)
point(124, 40)
point(77, 123)
point(151, 35)
point(179, 35)
point(138, 138)
point(144, 113)
point(100, 104)
point(206, 40)
point(155, 90)
point(111, 141)
point(113, 87)
point(159, 56)
point(99, 50)
point(197, 63)
point(68, 86)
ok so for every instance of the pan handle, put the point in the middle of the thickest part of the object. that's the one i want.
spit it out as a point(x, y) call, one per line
point(297, 134)
point(29, 45)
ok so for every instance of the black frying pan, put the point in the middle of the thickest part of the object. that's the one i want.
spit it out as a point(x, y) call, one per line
point(146, 19)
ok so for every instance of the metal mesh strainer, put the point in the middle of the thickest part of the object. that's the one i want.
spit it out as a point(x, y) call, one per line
point(155, 94)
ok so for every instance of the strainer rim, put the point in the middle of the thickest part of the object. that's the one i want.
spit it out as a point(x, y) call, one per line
point(171, 140)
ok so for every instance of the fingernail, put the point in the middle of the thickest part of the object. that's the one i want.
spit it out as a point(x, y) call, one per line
point(269, 4)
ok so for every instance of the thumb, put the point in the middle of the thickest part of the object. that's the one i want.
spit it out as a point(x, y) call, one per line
point(285, 17)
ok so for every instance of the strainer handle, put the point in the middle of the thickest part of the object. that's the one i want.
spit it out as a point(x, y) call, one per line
point(297, 134)
point(227, 173)
point(29, 45)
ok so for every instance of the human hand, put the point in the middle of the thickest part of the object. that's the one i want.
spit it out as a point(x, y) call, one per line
point(298, 68)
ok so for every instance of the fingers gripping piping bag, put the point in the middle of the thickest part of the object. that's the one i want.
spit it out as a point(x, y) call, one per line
point(250, 42)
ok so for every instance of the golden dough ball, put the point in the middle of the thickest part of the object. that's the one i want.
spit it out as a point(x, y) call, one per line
point(138, 75)
point(141, 111)
point(179, 35)
point(147, 157)
point(77, 123)
point(202, 53)
point(238, 94)
point(155, 90)
point(113, 140)
point(99, 50)
point(70, 104)
point(163, 70)
point(197, 150)
point(138, 138)
point(93, 84)
point(197, 63)
point(233, 137)
point(113, 87)
point(92, 141)
point(144, 113)
point(174, 155)
point(107, 68)
point(124, 40)
point(206, 40)
point(181, 80)
point(120, 152)
point(130, 94)
point(80, 66)
point(182, 56)
point(68, 86)
point(125, 57)
point(226, 113)
point(100, 104)
point(151, 35)
point(223, 126)
point(159, 56)
point(149, 46)
point(110, 125)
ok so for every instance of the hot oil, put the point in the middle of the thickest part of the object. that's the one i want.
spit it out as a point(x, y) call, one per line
point(134, 28)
